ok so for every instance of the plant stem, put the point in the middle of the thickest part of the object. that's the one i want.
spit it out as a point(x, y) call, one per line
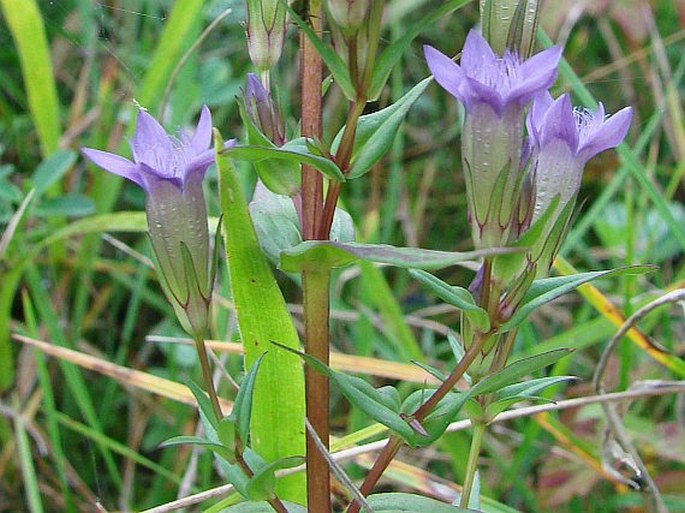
point(311, 78)
point(394, 444)
point(472, 464)
point(471, 353)
point(342, 158)
point(207, 374)
point(315, 286)
point(275, 503)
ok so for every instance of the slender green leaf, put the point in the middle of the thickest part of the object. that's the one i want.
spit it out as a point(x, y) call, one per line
point(293, 151)
point(335, 64)
point(278, 407)
point(545, 290)
point(376, 132)
point(242, 408)
point(203, 403)
point(516, 371)
point(263, 507)
point(26, 25)
point(409, 503)
point(328, 254)
point(175, 39)
point(455, 296)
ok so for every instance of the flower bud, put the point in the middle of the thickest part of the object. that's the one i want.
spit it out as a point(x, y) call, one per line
point(348, 15)
point(263, 112)
point(357, 44)
point(510, 24)
point(265, 127)
point(265, 32)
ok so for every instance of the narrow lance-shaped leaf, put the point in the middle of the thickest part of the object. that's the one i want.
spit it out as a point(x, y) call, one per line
point(328, 254)
point(277, 420)
point(545, 290)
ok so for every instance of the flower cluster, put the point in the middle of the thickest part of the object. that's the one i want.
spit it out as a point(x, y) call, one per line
point(514, 182)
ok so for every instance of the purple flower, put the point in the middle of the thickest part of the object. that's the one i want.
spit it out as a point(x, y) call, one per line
point(563, 139)
point(494, 91)
point(170, 170)
point(485, 77)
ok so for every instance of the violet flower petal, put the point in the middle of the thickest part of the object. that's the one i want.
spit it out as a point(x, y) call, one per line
point(536, 74)
point(477, 55)
point(114, 164)
point(151, 143)
point(560, 123)
point(202, 138)
point(447, 73)
point(610, 134)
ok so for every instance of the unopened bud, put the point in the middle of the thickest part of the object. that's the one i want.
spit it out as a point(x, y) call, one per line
point(348, 15)
point(265, 32)
point(262, 110)
point(510, 24)
point(265, 127)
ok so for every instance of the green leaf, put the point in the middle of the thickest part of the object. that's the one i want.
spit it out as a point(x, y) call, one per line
point(219, 449)
point(394, 52)
point(335, 64)
point(277, 423)
point(458, 352)
point(242, 408)
point(498, 407)
point(28, 31)
point(458, 297)
point(437, 421)
point(278, 226)
point(203, 403)
point(376, 132)
point(225, 432)
point(279, 175)
point(381, 405)
point(262, 485)
point(545, 290)
point(293, 151)
point(531, 387)
point(327, 254)
point(275, 221)
point(409, 503)
point(515, 371)
point(176, 37)
point(52, 169)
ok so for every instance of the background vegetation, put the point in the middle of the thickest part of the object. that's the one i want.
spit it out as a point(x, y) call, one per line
point(84, 435)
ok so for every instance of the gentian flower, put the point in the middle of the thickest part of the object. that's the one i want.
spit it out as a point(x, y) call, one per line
point(494, 91)
point(170, 170)
point(562, 140)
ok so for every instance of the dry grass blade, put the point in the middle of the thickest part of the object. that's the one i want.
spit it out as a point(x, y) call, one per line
point(143, 380)
point(339, 361)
